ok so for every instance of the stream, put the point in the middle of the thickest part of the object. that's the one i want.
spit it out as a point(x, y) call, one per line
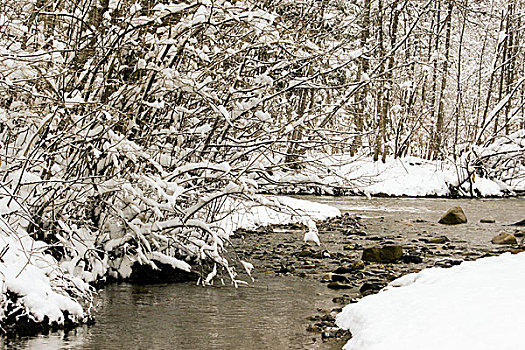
point(273, 311)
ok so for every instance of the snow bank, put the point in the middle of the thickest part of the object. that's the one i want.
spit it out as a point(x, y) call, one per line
point(476, 305)
point(267, 210)
point(409, 176)
point(414, 176)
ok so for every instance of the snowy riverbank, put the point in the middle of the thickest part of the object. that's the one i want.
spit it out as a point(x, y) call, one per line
point(476, 305)
point(409, 176)
point(38, 292)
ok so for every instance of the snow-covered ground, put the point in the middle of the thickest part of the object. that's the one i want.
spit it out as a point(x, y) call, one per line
point(414, 176)
point(476, 305)
point(408, 176)
point(268, 210)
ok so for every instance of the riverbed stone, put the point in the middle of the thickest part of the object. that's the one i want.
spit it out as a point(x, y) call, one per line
point(437, 240)
point(357, 265)
point(371, 287)
point(347, 298)
point(314, 328)
point(305, 253)
point(487, 221)
point(340, 278)
point(383, 254)
point(352, 267)
point(339, 285)
point(519, 233)
point(453, 216)
point(504, 238)
point(412, 258)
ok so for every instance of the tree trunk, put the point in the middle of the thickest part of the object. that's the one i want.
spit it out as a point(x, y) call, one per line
point(437, 151)
point(362, 70)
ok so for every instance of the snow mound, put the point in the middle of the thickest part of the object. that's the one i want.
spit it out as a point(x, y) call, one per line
point(476, 305)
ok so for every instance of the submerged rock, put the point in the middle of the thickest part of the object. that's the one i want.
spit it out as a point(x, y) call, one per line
point(504, 238)
point(352, 267)
point(146, 274)
point(384, 254)
point(453, 216)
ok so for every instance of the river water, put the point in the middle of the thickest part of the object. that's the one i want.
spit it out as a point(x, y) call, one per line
point(270, 313)
point(413, 216)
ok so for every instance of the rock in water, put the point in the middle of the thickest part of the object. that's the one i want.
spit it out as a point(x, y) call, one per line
point(487, 221)
point(385, 254)
point(453, 216)
point(372, 286)
point(504, 238)
point(437, 240)
point(519, 223)
point(339, 285)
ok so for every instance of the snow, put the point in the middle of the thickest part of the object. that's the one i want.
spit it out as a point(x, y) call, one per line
point(42, 288)
point(413, 176)
point(168, 260)
point(267, 210)
point(476, 305)
point(408, 176)
point(312, 234)
point(30, 274)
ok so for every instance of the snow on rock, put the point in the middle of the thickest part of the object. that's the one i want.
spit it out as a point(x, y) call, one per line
point(33, 276)
point(476, 305)
point(32, 284)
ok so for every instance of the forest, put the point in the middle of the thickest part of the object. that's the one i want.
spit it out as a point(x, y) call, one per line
point(132, 131)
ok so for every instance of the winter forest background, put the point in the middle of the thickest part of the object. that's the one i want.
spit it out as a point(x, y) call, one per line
point(130, 131)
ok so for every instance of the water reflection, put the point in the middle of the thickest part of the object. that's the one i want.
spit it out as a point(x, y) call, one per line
point(269, 314)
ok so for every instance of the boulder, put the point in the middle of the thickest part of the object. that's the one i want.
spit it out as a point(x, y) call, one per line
point(504, 238)
point(384, 254)
point(453, 216)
